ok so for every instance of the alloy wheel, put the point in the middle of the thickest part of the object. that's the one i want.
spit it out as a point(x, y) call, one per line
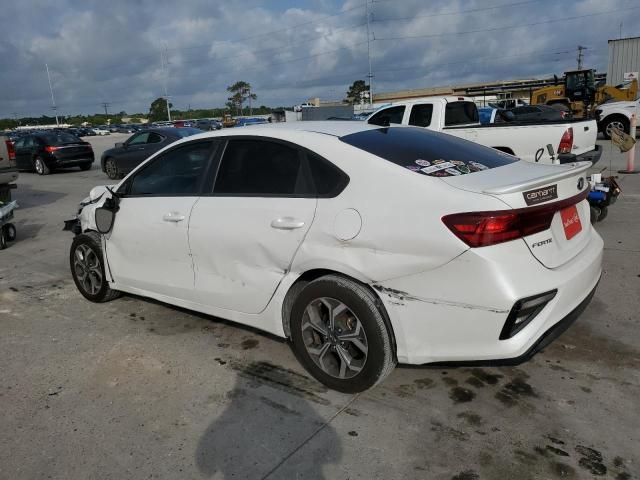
point(87, 269)
point(334, 338)
point(111, 169)
point(39, 166)
point(615, 125)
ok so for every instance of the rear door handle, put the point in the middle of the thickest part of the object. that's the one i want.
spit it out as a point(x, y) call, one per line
point(287, 223)
point(173, 217)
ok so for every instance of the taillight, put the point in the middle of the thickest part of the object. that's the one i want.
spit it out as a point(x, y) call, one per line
point(566, 142)
point(50, 149)
point(11, 150)
point(481, 229)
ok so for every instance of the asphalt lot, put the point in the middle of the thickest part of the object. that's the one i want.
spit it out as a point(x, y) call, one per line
point(138, 389)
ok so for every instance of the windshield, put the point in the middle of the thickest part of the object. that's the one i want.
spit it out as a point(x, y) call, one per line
point(428, 153)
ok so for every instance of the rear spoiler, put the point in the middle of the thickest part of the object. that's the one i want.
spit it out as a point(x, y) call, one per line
point(574, 169)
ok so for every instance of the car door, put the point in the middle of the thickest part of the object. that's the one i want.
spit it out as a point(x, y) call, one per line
point(245, 234)
point(148, 247)
point(134, 152)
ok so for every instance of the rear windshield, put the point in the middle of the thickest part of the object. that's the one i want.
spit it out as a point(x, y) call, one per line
point(429, 153)
point(187, 131)
point(58, 138)
point(460, 113)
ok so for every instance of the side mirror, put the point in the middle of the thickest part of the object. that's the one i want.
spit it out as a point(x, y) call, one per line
point(120, 145)
point(104, 219)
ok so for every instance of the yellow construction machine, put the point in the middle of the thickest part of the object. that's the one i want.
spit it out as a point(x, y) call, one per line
point(578, 93)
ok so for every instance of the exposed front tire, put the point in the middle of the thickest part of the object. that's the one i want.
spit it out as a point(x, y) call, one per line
point(87, 268)
point(41, 167)
point(340, 336)
point(111, 169)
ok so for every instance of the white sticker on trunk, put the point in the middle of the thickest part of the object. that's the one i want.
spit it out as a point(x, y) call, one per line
point(437, 168)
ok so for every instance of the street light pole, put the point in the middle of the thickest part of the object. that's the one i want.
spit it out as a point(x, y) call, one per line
point(165, 61)
point(53, 100)
point(366, 5)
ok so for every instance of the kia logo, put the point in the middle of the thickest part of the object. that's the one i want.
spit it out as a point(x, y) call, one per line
point(580, 183)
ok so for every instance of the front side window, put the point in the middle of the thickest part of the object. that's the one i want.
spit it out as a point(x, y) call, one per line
point(177, 172)
point(388, 116)
point(260, 167)
point(421, 115)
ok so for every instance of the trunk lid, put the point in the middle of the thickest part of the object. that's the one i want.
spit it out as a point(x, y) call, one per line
point(73, 151)
point(529, 187)
point(585, 133)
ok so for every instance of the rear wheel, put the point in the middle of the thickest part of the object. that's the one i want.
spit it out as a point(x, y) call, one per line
point(111, 169)
point(3, 239)
point(41, 167)
point(10, 232)
point(87, 268)
point(340, 336)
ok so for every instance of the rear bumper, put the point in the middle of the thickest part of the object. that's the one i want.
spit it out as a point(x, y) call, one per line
point(456, 313)
point(55, 162)
point(592, 156)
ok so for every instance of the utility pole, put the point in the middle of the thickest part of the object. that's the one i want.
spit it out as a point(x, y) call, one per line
point(53, 100)
point(164, 59)
point(580, 56)
point(366, 6)
point(106, 106)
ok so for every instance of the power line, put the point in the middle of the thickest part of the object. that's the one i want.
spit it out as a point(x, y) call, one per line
point(510, 27)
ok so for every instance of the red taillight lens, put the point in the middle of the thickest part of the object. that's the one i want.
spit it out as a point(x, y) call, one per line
point(11, 150)
point(481, 229)
point(566, 142)
point(50, 149)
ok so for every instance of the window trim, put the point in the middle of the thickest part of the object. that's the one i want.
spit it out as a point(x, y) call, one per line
point(214, 146)
point(303, 153)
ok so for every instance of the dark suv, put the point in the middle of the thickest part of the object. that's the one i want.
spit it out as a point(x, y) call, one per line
point(47, 151)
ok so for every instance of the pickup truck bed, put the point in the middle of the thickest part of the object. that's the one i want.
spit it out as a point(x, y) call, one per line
point(8, 169)
point(570, 141)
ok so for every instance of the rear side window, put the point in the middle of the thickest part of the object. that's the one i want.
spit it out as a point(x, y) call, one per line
point(388, 116)
point(260, 167)
point(426, 152)
point(327, 179)
point(460, 113)
point(421, 115)
point(154, 138)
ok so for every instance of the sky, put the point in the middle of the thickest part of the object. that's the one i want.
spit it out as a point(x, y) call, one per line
point(112, 51)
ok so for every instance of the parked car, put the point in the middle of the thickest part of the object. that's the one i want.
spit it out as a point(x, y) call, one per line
point(126, 129)
point(50, 150)
point(8, 168)
point(612, 115)
point(572, 141)
point(124, 157)
point(206, 124)
point(87, 132)
point(364, 245)
point(101, 131)
point(243, 122)
point(114, 128)
point(183, 123)
point(539, 113)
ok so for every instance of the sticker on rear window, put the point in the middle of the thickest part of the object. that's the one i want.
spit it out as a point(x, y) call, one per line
point(540, 195)
point(423, 163)
point(436, 167)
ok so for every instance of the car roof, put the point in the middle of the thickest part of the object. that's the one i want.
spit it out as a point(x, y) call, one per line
point(327, 127)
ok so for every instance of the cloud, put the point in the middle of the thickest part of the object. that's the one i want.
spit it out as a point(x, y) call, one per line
point(289, 51)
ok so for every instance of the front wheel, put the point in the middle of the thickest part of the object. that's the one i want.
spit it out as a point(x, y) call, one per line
point(616, 123)
point(87, 268)
point(340, 336)
point(111, 169)
point(41, 167)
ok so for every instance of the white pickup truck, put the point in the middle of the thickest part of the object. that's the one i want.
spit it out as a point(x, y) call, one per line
point(571, 141)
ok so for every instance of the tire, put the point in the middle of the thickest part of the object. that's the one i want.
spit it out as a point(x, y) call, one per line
point(10, 232)
point(41, 167)
point(87, 268)
point(604, 211)
point(615, 122)
point(111, 169)
point(85, 166)
point(369, 349)
point(3, 239)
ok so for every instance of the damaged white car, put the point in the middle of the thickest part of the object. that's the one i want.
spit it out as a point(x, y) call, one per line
point(364, 245)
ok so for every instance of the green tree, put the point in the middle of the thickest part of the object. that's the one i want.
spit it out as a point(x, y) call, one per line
point(356, 91)
point(158, 110)
point(241, 92)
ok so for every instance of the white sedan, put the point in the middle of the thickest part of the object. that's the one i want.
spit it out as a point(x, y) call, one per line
point(101, 131)
point(364, 245)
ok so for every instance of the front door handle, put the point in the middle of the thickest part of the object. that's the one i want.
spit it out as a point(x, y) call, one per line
point(173, 217)
point(287, 223)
